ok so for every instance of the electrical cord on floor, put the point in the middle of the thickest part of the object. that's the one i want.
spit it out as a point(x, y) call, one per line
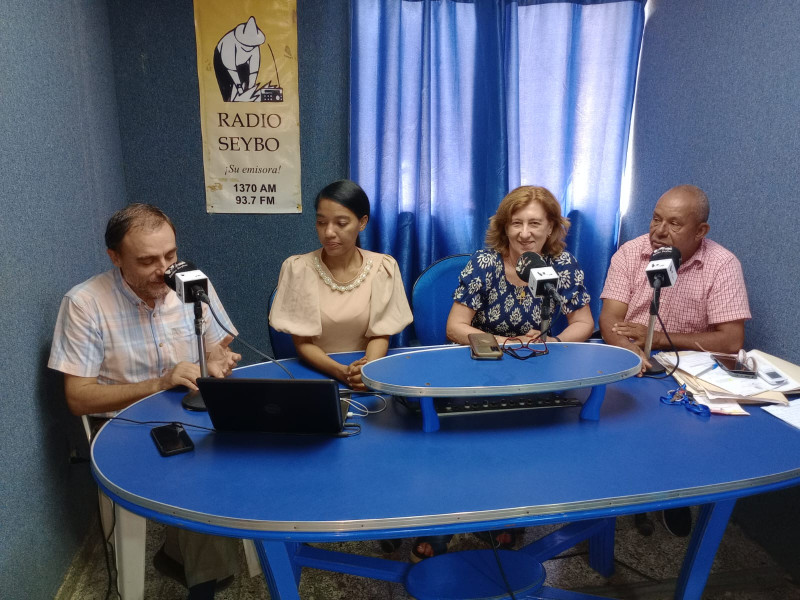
point(500, 566)
point(108, 548)
point(563, 556)
point(635, 570)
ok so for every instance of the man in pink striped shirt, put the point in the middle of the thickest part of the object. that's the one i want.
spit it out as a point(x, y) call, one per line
point(707, 306)
point(705, 309)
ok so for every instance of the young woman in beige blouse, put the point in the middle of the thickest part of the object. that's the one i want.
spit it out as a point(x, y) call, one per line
point(340, 298)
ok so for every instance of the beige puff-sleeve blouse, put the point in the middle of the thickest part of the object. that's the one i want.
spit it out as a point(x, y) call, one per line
point(337, 321)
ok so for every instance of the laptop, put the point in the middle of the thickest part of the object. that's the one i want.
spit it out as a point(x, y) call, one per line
point(274, 405)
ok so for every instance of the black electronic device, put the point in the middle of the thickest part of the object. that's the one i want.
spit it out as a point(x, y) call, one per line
point(189, 283)
point(662, 270)
point(733, 366)
point(171, 439)
point(274, 405)
point(542, 279)
point(483, 346)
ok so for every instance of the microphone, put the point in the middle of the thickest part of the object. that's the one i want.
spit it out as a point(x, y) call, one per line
point(189, 283)
point(191, 286)
point(663, 268)
point(661, 272)
point(541, 278)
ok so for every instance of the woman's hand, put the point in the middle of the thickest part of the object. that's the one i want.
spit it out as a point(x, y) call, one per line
point(353, 374)
point(533, 334)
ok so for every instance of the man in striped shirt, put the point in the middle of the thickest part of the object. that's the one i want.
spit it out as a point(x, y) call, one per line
point(123, 335)
point(705, 309)
point(707, 306)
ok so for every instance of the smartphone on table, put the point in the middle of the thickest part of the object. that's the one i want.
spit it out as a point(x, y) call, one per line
point(483, 346)
point(171, 439)
point(733, 366)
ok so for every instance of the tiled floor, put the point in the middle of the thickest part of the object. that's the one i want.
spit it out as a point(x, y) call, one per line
point(646, 569)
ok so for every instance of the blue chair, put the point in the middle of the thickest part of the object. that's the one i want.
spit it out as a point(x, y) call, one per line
point(282, 344)
point(432, 297)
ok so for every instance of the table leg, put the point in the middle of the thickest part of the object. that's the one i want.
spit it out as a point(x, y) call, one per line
point(591, 408)
point(129, 542)
point(708, 532)
point(430, 420)
point(276, 560)
point(601, 548)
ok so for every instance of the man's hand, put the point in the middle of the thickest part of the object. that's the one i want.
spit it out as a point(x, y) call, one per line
point(222, 360)
point(354, 374)
point(184, 373)
point(635, 332)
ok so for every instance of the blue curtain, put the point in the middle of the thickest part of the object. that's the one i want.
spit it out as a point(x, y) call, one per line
point(454, 103)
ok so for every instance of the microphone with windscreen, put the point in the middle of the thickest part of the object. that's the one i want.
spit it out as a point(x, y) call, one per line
point(189, 283)
point(191, 286)
point(662, 271)
point(541, 278)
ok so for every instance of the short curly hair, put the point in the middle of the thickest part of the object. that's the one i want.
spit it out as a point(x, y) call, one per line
point(517, 199)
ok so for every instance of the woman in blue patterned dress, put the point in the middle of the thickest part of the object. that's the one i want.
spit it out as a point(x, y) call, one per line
point(491, 296)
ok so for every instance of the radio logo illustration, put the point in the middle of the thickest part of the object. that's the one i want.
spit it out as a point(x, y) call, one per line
point(237, 62)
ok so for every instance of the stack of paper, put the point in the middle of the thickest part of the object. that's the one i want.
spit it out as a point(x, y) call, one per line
point(723, 393)
point(790, 414)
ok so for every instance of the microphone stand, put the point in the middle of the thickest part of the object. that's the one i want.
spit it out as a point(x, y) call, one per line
point(194, 400)
point(656, 368)
point(547, 311)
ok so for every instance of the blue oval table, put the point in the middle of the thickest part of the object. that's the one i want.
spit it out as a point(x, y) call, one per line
point(280, 490)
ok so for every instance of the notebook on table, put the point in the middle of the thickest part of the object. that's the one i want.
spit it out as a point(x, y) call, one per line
point(274, 405)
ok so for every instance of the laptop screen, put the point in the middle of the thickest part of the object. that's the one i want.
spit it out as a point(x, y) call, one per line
point(273, 405)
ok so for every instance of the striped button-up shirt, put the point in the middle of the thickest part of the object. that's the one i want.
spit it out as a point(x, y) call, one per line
point(105, 330)
point(709, 290)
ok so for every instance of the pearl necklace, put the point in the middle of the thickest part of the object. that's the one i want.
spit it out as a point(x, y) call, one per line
point(348, 287)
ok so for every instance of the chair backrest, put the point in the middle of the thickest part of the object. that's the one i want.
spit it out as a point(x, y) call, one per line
point(432, 297)
point(282, 344)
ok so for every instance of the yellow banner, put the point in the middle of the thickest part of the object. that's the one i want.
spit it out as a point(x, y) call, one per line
point(249, 107)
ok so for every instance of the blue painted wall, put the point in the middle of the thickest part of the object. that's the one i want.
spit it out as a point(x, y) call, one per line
point(717, 106)
point(62, 176)
point(155, 64)
point(98, 108)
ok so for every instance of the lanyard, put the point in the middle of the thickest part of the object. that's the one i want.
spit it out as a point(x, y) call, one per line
point(682, 396)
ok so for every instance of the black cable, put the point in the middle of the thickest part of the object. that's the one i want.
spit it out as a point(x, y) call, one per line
point(500, 566)
point(355, 427)
point(674, 349)
point(573, 555)
point(108, 547)
point(637, 571)
point(162, 423)
point(240, 340)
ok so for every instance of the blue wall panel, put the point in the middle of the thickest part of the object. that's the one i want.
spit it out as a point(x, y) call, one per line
point(99, 107)
point(716, 106)
point(156, 73)
point(62, 176)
